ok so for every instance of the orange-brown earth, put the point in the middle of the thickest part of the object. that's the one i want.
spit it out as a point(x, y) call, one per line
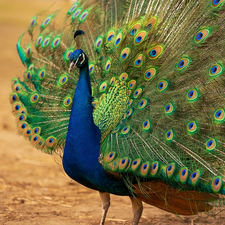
point(33, 188)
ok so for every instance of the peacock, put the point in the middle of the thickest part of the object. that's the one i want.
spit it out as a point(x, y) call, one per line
point(130, 94)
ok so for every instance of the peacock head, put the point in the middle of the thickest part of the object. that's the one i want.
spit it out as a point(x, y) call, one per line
point(78, 59)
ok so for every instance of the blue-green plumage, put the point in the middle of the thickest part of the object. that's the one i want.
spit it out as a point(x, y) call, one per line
point(143, 113)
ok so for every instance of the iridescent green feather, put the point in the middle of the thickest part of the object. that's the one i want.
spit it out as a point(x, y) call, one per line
point(157, 76)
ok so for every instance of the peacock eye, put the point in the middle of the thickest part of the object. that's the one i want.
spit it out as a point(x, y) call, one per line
point(81, 58)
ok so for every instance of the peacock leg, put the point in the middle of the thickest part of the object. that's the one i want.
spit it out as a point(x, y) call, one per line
point(105, 197)
point(137, 208)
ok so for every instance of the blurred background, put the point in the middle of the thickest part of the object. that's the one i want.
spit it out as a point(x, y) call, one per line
point(33, 188)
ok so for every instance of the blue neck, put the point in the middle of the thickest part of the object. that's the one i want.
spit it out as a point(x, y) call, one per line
point(80, 159)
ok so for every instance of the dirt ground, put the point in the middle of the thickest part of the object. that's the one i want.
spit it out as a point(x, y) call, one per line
point(33, 188)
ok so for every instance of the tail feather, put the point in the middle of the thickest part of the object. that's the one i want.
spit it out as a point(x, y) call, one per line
point(174, 200)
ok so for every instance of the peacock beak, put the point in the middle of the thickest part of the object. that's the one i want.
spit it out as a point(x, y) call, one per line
point(72, 66)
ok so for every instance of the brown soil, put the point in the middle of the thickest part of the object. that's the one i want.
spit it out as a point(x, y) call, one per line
point(33, 188)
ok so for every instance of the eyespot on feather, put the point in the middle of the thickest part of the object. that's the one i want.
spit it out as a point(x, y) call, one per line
point(76, 14)
point(123, 164)
point(31, 67)
point(83, 16)
point(134, 28)
point(23, 110)
point(51, 142)
point(27, 76)
point(55, 42)
point(219, 115)
point(35, 139)
point(150, 24)
point(169, 135)
point(41, 145)
point(91, 68)
point(29, 51)
point(116, 129)
point(124, 54)
point(192, 95)
point(155, 52)
point(20, 117)
point(67, 101)
point(149, 74)
point(146, 125)
point(202, 35)
point(27, 131)
point(139, 60)
point(112, 81)
point(114, 165)
point(16, 107)
point(169, 109)
point(103, 87)
point(110, 36)
point(39, 41)
point(46, 42)
point(183, 175)
point(217, 184)
point(135, 165)
point(34, 98)
point(195, 177)
point(126, 130)
point(67, 54)
point(94, 104)
point(192, 127)
point(129, 113)
point(162, 85)
point(32, 23)
point(35, 131)
point(144, 169)
point(183, 63)
point(140, 37)
point(143, 103)
point(109, 157)
point(129, 103)
point(154, 168)
point(46, 22)
point(216, 70)
point(170, 170)
point(107, 66)
point(21, 126)
point(41, 74)
point(211, 145)
point(62, 80)
point(17, 88)
point(132, 84)
point(118, 39)
point(13, 97)
point(98, 43)
point(216, 3)
point(72, 8)
point(123, 77)
point(137, 92)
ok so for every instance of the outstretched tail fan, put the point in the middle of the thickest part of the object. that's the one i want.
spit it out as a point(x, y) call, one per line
point(157, 77)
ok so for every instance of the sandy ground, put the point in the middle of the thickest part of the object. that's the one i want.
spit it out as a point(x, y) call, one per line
point(33, 188)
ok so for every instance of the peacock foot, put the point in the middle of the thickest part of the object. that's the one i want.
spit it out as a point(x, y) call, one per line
point(105, 198)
